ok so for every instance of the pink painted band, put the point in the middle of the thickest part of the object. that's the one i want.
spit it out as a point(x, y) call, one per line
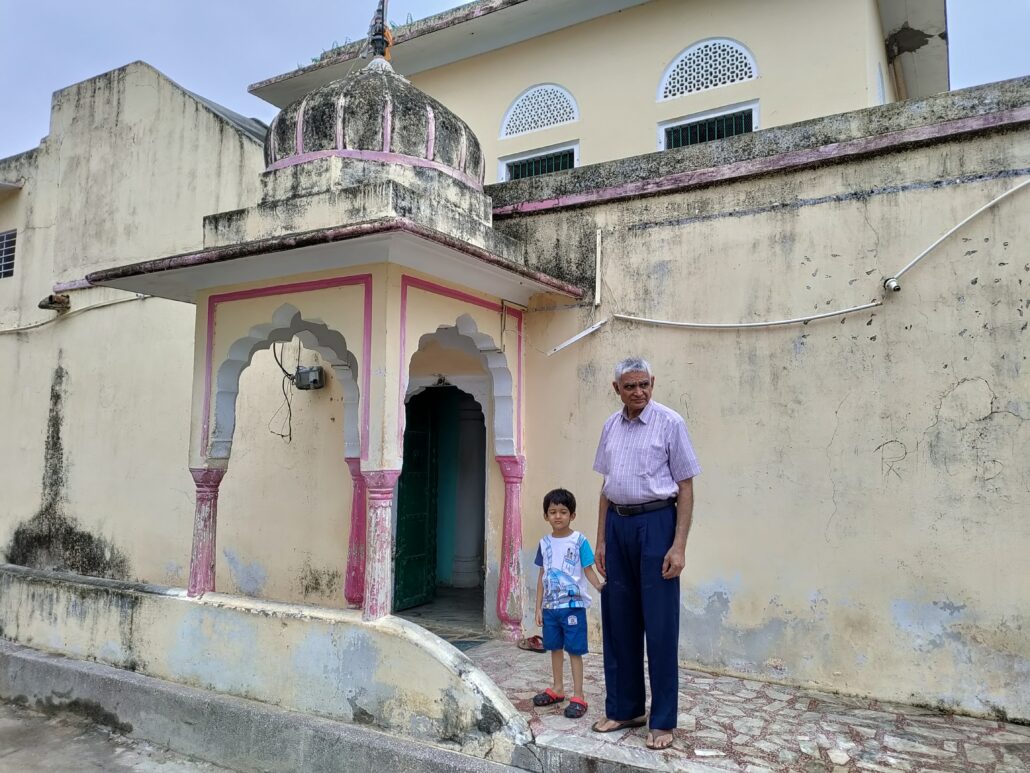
point(793, 159)
point(430, 132)
point(387, 123)
point(75, 284)
point(298, 287)
point(299, 141)
point(381, 156)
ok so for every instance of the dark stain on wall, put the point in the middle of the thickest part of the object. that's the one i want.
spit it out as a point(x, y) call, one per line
point(51, 539)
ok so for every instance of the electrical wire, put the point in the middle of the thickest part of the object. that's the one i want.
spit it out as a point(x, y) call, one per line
point(286, 428)
point(72, 313)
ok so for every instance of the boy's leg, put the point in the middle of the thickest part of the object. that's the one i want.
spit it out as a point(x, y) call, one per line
point(558, 667)
point(623, 623)
point(576, 666)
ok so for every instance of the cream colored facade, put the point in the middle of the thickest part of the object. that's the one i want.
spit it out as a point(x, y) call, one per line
point(613, 67)
point(860, 521)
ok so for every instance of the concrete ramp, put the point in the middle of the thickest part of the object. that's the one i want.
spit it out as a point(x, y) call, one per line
point(388, 675)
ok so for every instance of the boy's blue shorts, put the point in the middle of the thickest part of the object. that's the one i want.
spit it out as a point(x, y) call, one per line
point(566, 629)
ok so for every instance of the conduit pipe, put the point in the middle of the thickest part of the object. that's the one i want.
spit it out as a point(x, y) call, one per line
point(891, 284)
point(72, 313)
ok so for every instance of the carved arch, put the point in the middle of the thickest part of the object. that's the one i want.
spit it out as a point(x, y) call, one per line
point(287, 323)
point(465, 337)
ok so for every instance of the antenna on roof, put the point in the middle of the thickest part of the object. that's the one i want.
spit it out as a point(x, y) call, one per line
point(379, 37)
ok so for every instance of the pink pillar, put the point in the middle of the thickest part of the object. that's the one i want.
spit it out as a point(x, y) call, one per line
point(202, 562)
point(379, 552)
point(354, 584)
point(509, 589)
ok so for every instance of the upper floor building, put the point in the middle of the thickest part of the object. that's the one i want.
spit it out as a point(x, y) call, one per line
point(551, 84)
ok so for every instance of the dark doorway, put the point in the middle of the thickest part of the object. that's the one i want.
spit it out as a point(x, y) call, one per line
point(438, 551)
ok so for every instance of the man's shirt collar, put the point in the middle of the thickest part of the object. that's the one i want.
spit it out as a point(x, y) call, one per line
point(645, 414)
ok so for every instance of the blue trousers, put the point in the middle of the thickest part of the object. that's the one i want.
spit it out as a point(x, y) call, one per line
point(638, 604)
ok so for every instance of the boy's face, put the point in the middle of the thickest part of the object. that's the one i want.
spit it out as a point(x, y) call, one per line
point(559, 517)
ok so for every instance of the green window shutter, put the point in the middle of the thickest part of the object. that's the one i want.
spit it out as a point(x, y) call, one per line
point(538, 165)
point(708, 129)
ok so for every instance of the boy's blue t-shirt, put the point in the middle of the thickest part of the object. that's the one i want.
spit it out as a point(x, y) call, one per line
point(563, 560)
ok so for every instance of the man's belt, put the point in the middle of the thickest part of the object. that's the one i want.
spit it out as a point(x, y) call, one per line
point(645, 507)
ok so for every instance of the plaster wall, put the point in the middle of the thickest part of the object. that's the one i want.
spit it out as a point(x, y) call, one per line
point(860, 521)
point(96, 418)
point(877, 69)
point(821, 72)
point(390, 675)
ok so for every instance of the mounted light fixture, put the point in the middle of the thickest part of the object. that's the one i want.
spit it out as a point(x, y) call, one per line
point(56, 302)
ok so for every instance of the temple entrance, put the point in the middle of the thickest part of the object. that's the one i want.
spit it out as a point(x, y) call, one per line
point(441, 500)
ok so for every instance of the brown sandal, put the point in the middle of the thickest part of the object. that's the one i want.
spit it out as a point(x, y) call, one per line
point(620, 724)
point(653, 736)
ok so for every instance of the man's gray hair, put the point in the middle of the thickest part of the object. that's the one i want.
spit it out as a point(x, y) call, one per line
point(632, 365)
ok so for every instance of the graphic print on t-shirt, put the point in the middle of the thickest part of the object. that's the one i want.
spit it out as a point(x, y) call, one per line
point(563, 560)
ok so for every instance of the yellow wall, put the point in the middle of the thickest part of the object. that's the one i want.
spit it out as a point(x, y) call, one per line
point(860, 521)
point(613, 66)
point(97, 414)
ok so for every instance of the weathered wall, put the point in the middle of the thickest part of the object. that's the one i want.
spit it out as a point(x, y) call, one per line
point(616, 93)
point(861, 519)
point(389, 675)
point(96, 413)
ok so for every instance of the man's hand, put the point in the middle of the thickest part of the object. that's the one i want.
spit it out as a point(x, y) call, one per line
point(599, 560)
point(539, 618)
point(674, 562)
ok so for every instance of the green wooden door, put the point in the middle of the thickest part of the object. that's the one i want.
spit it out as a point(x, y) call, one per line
point(414, 567)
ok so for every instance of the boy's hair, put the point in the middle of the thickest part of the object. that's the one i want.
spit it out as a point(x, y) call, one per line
point(560, 496)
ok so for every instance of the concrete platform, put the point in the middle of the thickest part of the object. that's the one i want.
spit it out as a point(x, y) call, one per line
point(231, 732)
point(732, 724)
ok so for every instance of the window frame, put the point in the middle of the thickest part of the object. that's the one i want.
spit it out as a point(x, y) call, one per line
point(503, 161)
point(507, 113)
point(664, 80)
point(11, 234)
point(708, 115)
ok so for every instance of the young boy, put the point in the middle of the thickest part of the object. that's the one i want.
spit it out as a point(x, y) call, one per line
point(562, 598)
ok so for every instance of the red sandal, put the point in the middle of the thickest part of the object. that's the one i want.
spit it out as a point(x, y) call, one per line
point(547, 698)
point(577, 708)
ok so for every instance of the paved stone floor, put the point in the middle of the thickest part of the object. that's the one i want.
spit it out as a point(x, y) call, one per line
point(735, 724)
point(31, 743)
point(456, 615)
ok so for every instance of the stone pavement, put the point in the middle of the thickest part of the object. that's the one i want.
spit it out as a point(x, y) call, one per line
point(732, 724)
point(31, 742)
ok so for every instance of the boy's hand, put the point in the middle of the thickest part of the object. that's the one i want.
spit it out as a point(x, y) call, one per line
point(539, 618)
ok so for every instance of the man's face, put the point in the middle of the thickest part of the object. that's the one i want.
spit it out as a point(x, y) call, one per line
point(634, 388)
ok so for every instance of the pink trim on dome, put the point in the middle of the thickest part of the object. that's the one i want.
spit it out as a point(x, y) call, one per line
point(430, 132)
point(387, 123)
point(341, 139)
point(300, 126)
point(378, 155)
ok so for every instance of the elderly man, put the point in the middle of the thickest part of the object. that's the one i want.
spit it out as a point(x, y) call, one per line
point(643, 520)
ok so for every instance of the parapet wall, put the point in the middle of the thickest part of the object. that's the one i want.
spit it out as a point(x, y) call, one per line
point(390, 675)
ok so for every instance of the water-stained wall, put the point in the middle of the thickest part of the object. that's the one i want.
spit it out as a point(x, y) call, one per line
point(860, 523)
point(96, 403)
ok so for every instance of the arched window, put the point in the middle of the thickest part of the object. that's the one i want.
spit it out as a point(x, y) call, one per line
point(707, 65)
point(539, 107)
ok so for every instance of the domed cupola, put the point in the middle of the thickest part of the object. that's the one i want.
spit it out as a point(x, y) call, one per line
point(375, 115)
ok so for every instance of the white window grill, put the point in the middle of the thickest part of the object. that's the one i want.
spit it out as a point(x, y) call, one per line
point(539, 107)
point(707, 65)
point(7, 241)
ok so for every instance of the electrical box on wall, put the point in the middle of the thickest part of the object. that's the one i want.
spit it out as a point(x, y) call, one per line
point(309, 377)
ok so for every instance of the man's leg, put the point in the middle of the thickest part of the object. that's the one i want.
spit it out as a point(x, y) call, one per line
point(661, 613)
point(623, 623)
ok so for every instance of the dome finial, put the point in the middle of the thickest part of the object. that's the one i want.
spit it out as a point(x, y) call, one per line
point(379, 37)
